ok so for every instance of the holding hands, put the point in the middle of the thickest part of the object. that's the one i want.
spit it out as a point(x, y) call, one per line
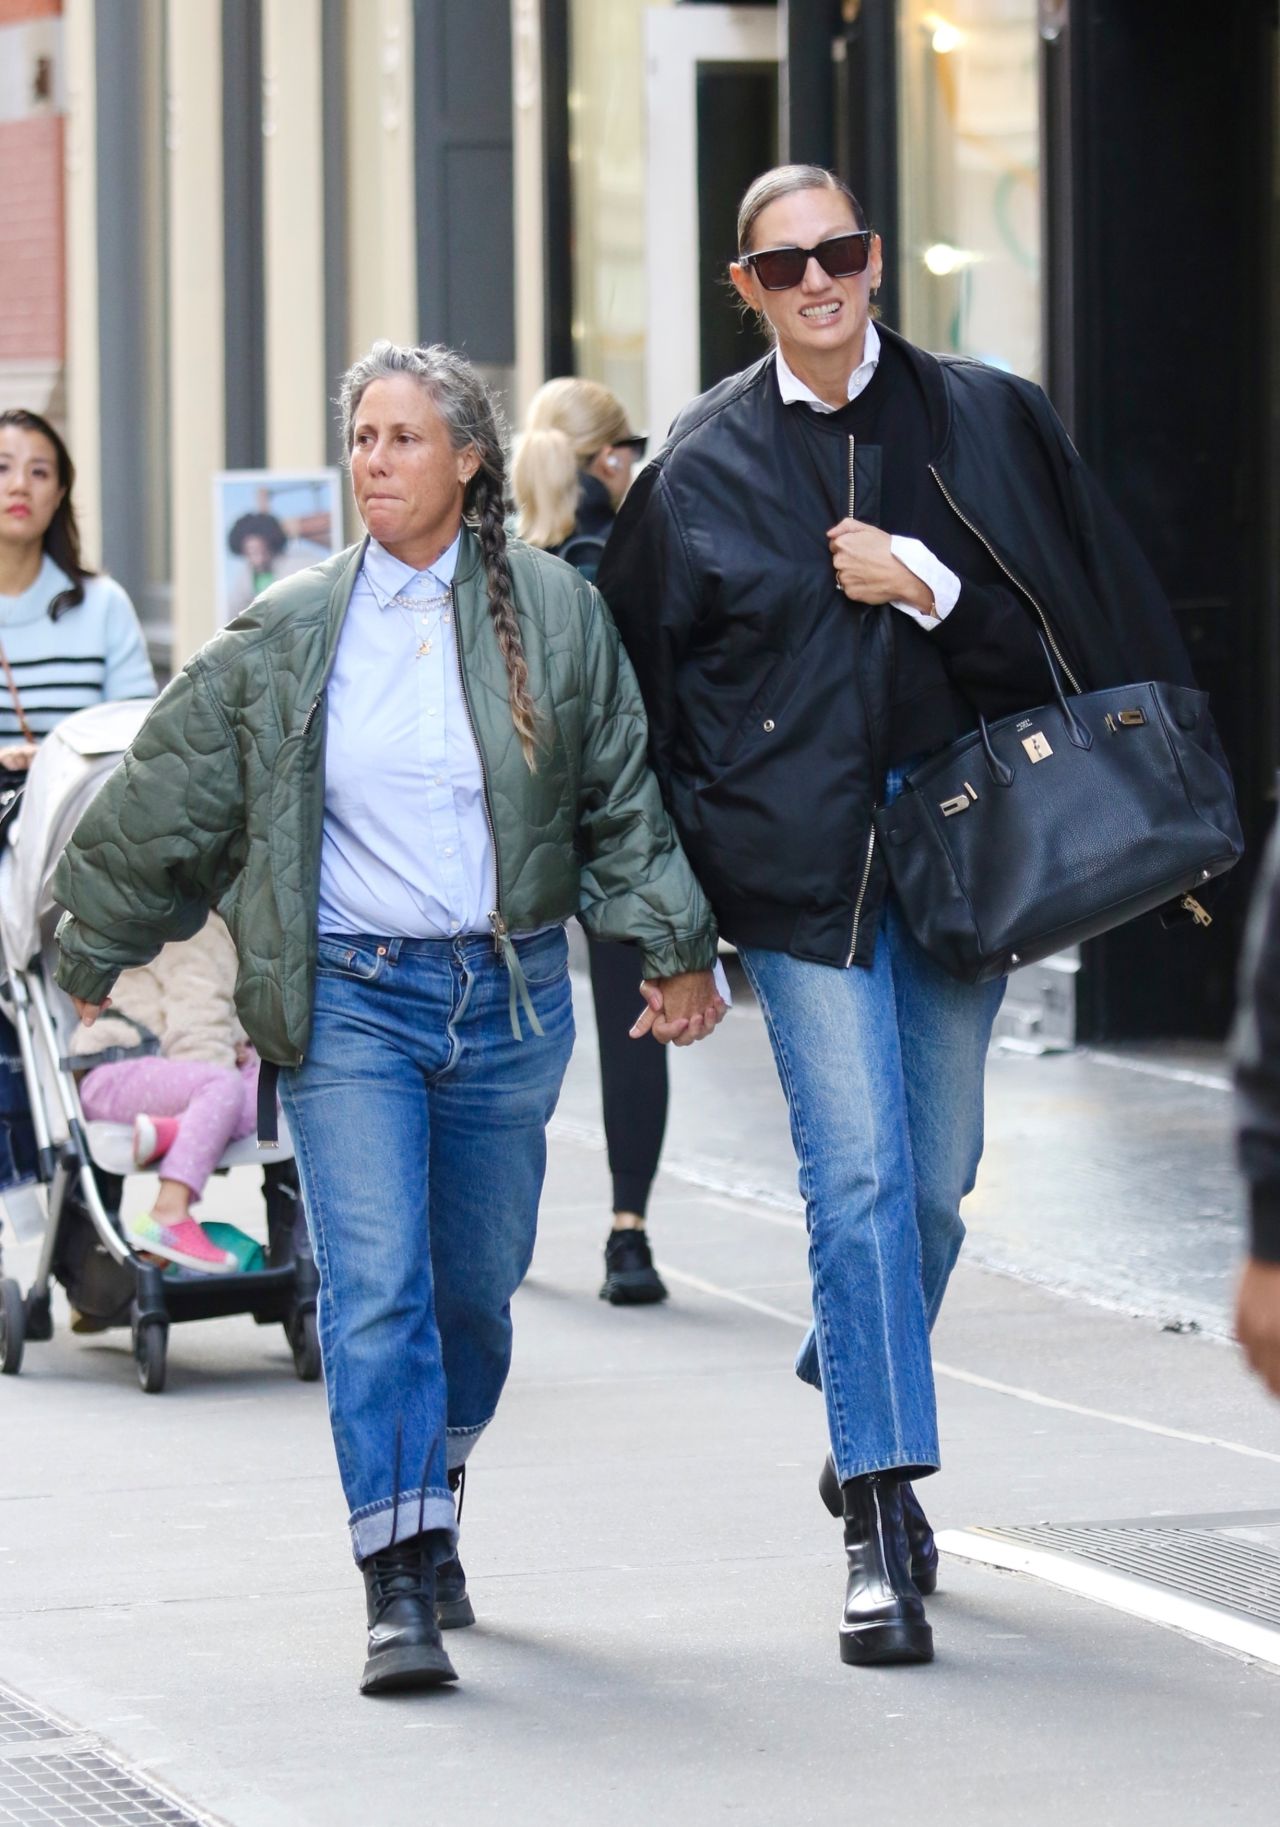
point(681, 1009)
point(867, 571)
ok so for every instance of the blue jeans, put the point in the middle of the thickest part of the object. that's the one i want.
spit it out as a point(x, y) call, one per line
point(419, 1122)
point(883, 1075)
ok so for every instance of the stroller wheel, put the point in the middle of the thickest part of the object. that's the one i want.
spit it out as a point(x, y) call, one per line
point(304, 1337)
point(150, 1348)
point(13, 1328)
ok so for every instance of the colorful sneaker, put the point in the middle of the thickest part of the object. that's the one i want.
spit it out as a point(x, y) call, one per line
point(152, 1138)
point(183, 1243)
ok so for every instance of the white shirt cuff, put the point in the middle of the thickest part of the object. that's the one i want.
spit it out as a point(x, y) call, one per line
point(945, 585)
point(722, 983)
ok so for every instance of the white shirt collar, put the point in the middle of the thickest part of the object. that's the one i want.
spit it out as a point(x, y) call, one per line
point(794, 391)
point(391, 576)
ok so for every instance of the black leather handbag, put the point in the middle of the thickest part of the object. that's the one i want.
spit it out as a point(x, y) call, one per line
point(1047, 828)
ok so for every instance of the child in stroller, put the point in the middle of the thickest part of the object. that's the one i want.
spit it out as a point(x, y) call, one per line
point(170, 1057)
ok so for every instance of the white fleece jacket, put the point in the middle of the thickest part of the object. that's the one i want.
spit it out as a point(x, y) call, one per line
point(181, 1005)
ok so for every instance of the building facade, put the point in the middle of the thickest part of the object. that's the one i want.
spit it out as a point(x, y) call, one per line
point(1082, 192)
point(212, 205)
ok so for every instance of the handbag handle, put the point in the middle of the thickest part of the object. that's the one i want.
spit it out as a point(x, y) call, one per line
point(1000, 771)
point(18, 711)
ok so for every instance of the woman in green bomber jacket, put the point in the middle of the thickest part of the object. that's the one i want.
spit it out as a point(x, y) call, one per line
point(397, 775)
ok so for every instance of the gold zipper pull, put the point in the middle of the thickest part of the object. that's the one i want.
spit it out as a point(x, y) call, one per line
point(1198, 913)
point(499, 926)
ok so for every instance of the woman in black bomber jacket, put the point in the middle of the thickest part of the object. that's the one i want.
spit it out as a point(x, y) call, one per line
point(837, 558)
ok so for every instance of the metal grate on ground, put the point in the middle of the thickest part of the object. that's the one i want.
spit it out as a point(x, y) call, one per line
point(1207, 1564)
point(22, 1724)
point(1213, 1577)
point(51, 1776)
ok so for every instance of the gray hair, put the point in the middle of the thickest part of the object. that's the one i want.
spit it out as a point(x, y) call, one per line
point(472, 421)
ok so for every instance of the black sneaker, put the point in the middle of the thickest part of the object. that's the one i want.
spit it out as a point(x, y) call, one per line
point(630, 1279)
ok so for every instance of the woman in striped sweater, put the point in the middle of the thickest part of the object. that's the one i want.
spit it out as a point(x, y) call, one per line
point(68, 639)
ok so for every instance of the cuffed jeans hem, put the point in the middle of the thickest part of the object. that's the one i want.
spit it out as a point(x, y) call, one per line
point(904, 1464)
point(410, 1515)
point(459, 1442)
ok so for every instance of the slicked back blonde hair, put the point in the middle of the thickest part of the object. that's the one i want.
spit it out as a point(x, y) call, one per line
point(788, 181)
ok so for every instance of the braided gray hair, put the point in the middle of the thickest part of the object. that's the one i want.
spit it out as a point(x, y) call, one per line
point(473, 421)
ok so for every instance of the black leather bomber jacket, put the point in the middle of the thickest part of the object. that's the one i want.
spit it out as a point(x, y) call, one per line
point(768, 694)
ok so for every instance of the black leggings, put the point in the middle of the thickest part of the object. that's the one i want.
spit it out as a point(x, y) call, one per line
point(633, 1075)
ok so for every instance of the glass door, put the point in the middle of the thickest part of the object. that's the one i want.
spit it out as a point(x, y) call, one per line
point(711, 117)
point(969, 144)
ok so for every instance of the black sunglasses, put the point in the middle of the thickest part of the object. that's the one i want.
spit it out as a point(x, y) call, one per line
point(842, 257)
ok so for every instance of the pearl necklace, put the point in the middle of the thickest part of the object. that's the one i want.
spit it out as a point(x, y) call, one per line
point(419, 607)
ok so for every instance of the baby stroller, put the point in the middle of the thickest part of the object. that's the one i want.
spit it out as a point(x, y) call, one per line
point(74, 1201)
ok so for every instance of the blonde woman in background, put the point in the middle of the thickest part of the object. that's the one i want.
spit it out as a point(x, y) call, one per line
point(571, 469)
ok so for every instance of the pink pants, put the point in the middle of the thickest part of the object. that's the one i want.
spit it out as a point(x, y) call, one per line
point(217, 1105)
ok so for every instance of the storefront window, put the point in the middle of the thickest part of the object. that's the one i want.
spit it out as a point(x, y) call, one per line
point(607, 158)
point(970, 162)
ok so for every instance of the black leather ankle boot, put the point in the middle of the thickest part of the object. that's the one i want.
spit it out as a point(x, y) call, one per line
point(883, 1617)
point(453, 1605)
point(924, 1552)
point(405, 1650)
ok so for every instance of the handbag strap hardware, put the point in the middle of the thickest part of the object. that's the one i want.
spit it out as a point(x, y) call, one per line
point(1079, 733)
point(1199, 914)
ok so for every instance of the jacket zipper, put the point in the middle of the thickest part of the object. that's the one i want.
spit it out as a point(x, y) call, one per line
point(871, 837)
point(1021, 588)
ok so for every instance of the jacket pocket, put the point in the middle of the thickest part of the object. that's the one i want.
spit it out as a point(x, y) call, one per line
point(768, 716)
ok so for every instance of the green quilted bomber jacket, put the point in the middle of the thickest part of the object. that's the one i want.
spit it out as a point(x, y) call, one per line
point(220, 799)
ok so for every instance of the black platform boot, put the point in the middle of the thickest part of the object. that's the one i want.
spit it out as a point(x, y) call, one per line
point(405, 1650)
point(453, 1606)
point(924, 1552)
point(883, 1617)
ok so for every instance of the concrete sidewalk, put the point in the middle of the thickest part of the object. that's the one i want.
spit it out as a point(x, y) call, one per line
point(1107, 1174)
point(656, 1582)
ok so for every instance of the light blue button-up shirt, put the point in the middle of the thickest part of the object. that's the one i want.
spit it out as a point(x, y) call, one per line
point(407, 849)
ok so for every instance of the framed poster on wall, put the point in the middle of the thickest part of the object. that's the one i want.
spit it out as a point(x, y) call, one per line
point(268, 524)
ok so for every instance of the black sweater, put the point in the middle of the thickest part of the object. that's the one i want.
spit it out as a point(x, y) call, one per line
point(986, 654)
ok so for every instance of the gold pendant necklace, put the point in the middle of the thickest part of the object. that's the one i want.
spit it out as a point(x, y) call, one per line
point(409, 607)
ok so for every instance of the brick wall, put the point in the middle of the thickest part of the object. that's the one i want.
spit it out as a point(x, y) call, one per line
point(32, 262)
point(31, 245)
point(17, 12)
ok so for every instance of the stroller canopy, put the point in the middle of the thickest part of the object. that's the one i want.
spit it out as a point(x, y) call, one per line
point(72, 764)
